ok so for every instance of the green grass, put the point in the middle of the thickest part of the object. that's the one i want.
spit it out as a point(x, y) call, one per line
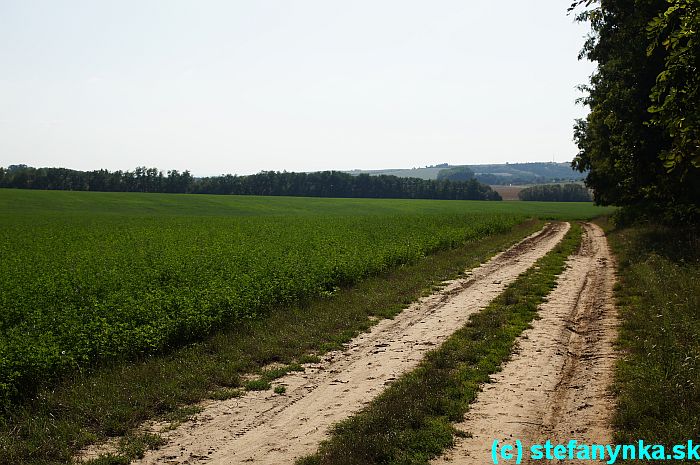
point(280, 389)
point(411, 421)
point(14, 202)
point(257, 385)
point(116, 308)
point(658, 378)
point(91, 278)
point(82, 289)
point(115, 399)
point(225, 394)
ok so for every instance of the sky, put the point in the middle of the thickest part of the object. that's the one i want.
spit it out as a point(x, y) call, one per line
point(238, 87)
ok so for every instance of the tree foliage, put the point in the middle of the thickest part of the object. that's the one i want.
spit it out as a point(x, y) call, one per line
point(320, 184)
point(675, 95)
point(456, 173)
point(556, 193)
point(639, 141)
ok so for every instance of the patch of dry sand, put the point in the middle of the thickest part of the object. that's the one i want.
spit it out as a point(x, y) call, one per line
point(556, 386)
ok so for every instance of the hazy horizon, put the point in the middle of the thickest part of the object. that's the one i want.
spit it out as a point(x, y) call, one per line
point(241, 87)
point(394, 168)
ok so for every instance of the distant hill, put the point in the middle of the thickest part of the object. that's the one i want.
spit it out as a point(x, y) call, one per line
point(429, 172)
point(503, 174)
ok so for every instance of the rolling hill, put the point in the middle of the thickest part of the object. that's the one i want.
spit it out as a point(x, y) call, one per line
point(496, 174)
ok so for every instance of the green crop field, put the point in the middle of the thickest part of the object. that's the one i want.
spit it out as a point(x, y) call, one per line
point(90, 277)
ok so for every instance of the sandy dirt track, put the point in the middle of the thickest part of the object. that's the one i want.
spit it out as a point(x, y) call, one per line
point(265, 428)
point(556, 386)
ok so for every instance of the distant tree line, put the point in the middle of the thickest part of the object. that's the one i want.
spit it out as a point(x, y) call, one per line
point(556, 193)
point(319, 184)
point(140, 180)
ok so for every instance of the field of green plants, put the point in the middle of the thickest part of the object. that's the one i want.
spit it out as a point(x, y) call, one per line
point(89, 278)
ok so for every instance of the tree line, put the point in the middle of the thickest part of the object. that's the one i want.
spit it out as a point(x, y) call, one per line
point(641, 140)
point(318, 184)
point(556, 193)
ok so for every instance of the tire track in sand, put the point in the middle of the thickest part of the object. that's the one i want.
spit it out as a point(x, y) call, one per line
point(265, 428)
point(556, 385)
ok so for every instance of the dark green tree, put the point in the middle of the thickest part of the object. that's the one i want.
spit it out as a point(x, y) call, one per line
point(675, 95)
point(456, 173)
point(630, 141)
point(556, 193)
point(320, 184)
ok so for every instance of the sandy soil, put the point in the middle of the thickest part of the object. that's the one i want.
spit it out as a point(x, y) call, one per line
point(556, 386)
point(508, 192)
point(266, 428)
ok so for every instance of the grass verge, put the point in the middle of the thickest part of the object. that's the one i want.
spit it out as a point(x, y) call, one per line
point(411, 421)
point(658, 295)
point(114, 401)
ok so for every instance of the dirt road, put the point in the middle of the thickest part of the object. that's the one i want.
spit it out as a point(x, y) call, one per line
point(556, 385)
point(265, 428)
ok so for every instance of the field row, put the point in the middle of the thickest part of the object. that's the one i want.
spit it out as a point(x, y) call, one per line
point(83, 283)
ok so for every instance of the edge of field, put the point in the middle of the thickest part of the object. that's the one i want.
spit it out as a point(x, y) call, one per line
point(113, 401)
point(657, 379)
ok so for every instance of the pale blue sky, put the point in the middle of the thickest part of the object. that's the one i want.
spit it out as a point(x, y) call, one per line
point(242, 86)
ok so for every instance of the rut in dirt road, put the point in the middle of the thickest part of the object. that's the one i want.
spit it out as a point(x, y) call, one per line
point(264, 428)
point(556, 386)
